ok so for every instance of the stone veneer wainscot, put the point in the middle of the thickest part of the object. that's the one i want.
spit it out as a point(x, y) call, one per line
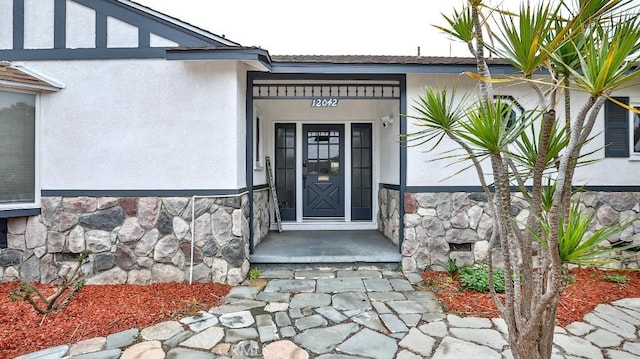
point(138, 240)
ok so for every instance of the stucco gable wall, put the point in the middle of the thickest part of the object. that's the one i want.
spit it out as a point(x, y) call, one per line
point(141, 124)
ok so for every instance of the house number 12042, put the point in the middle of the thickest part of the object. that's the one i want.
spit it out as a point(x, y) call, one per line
point(324, 102)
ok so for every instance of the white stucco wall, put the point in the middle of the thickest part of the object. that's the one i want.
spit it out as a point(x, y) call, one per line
point(141, 124)
point(38, 24)
point(121, 34)
point(81, 26)
point(6, 24)
point(424, 171)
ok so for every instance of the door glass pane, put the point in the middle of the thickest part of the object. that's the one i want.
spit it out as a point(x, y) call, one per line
point(636, 131)
point(285, 172)
point(17, 147)
point(361, 172)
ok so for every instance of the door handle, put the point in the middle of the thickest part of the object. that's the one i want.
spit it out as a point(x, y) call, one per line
point(304, 181)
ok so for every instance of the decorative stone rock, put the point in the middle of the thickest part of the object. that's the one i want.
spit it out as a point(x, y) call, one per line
point(221, 224)
point(165, 249)
point(10, 257)
point(130, 231)
point(150, 349)
point(76, 240)
point(323, 340)
point(98, 241)
point(246, 349)
point(166, 273)
point(418, 342)
point(126, 258)
point(48, 269)
point(16, 241)
point(129, 205)
point(474, 213)
point(621, 201)
point(201, 273)
point(180, 228)
point(55, 242)
point(455, 235)
point(234, 253)
point(53, 353)
point(209, 247)
point(30, 270)
point(202, 230)
point(182, 353)
point(145, 262)
point(165, 223)
point(148, 211)
point(606, 215)
point(175, 205)
point(284, 349)
point(80, 204)
point(11, 274)
point(480, 251)
point(104, 261)
point(105, 220)
point(35, 233)
point(112, 276)
point(178, 260)
point(122, 339)
point(17, 225)
point(39, 251)
point(412, 220)
point(139, 276)
point(147, 243)
point(237, 218)
point(219, 270)
point(107, 202)
point(433, 226)
point(185, 248)
point(460, 220)
point(451, 348)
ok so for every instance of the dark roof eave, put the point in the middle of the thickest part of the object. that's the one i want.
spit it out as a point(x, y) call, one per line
point(204, 54)
point(296, 67)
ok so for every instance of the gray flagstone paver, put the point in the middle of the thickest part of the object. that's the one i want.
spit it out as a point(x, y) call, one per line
point(358, 274)
point(604, 338)
point(332, 314)
point(370, 344)
point(323, 340)
point(377, 285)
point(313, 300)
point(336, 285)
point(310, 322)
point(406, 307)
point(488, 337)
point(371, 321)
point(290, 285)
point(393, 323)
point(418, 342)
point(452, 348)
point(351, 301)
point(350, 314)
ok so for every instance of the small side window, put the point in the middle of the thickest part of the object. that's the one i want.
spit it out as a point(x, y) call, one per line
point(3, 233)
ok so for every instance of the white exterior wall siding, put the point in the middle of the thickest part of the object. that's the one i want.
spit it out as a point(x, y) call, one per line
point(38, 22)
point(422, 170)
point(141, 124)
point(6, 24)
point(80, 26)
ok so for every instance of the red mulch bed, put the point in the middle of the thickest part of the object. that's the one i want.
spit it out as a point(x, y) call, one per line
point(578, 299)
point(99, 310)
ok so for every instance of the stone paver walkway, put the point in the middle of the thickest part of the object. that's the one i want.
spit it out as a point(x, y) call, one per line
point(342, 314)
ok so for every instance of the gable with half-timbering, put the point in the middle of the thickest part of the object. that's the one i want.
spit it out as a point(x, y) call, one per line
point(92, 29)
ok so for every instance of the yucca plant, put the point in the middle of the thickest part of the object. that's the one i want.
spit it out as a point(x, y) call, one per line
point(556, 48)
point(577, 245)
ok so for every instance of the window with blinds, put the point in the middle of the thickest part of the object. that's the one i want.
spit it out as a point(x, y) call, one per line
point(17, 148)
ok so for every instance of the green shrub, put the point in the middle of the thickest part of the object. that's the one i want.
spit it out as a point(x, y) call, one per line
point(616, 278)
point(476, 278)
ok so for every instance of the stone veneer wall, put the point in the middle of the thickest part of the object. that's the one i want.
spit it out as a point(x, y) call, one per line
point(261, 215)
point(388, 216)
point(440, 226)
point(137, 240)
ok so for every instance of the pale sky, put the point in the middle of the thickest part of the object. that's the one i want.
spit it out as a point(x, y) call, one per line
point(324, 27)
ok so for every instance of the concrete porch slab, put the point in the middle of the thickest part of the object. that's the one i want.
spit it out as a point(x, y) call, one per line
point(361, 246)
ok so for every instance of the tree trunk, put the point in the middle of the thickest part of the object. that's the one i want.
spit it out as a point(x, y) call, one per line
point(536, 340)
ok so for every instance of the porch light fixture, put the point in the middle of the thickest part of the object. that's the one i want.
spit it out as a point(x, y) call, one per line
point(386, 121)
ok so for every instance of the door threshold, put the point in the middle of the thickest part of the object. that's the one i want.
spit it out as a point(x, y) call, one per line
point(324, 225)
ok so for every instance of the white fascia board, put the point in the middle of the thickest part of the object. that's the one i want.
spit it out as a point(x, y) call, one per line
point(55, 85)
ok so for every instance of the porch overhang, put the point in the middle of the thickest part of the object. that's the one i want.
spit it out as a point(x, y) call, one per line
point(255, 57)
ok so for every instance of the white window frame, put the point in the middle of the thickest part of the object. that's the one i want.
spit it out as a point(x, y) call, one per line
point(258, 139)
point(633, 154)
point(37, 189)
